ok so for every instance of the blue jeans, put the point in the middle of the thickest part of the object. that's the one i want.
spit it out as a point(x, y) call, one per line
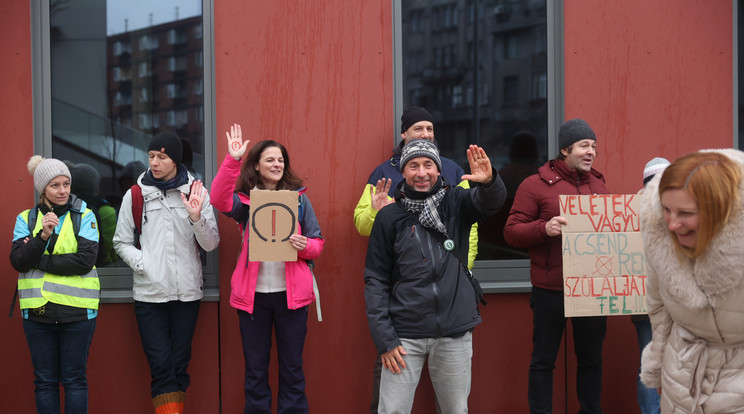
point(648, 398)
point(270, 312)
point(547, 334)
point(450, 366)
point(59, 353)
point(166, 330)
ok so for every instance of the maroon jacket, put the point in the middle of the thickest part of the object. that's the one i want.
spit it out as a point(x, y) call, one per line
point(535, 203)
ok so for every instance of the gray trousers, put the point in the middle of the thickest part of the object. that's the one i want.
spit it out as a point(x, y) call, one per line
point(450, 361)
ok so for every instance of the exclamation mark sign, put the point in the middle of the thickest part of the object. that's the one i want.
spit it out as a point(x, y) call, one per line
point(273, 225)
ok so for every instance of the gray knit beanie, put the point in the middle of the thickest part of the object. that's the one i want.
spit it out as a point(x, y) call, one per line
point(420, 148)
point(45, 170)
point(574, 130)
point(86, 181)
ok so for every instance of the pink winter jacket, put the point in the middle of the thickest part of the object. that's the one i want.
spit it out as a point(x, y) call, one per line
point(298, 275)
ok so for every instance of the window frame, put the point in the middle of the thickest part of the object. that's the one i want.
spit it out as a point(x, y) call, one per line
point(116, 283)
point(500, 276)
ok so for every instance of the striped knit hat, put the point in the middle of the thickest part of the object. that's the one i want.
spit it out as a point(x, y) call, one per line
point(653, 167)
point(420, 148)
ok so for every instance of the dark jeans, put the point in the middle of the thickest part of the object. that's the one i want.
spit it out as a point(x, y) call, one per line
point(588, 334)
point(166, 330)
point(59, 353)
point(270, 312)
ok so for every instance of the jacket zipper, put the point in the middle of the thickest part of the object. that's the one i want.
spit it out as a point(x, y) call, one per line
point(434, 286)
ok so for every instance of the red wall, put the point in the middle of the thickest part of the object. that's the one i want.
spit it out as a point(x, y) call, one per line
point(653, 79)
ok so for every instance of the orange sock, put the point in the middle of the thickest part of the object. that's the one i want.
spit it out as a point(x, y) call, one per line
point(167, 403)
point(168, 408)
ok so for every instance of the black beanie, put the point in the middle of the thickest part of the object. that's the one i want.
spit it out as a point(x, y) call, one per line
point(169, 143)
point(414, 114)
point(574, 130)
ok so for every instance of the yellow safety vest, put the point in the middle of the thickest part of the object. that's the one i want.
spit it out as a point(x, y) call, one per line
point(36, 287)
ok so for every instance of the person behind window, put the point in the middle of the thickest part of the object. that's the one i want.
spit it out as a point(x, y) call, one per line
point(535, 223)
point(421, 305)
point(177, 219)
point(415, 123)
point(523, 162)
point(692, 223)
point(86, 185)
point(58, 286)
point(269, 295)
point(125, 179)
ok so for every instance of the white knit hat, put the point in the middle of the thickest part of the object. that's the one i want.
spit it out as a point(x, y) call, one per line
point(653, 167)
point(45, 170)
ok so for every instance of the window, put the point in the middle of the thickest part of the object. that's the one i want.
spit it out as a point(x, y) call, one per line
point(108, 88)
point(500, 94)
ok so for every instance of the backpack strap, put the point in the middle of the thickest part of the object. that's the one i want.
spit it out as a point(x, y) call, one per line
point(76, 214)
point(137, 212)
point(31, 219)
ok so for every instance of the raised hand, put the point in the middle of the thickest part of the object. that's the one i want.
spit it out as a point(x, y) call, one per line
point(194, 203)
point(235, 145)
point(379, 194)
point(480, 166)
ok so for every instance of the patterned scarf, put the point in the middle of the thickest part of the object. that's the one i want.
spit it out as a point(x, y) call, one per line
point(425, 204)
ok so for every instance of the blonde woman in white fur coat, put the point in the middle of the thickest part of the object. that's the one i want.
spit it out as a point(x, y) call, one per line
point(692, 221)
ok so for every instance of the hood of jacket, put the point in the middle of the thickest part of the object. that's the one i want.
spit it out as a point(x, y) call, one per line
point(696, 283)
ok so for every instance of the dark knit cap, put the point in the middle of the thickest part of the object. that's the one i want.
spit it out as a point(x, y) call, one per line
point(169, 143)
point(420, 148)
point(414, 114)
point(574, 130)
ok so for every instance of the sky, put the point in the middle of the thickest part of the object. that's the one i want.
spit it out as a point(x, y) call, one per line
point(137, 13)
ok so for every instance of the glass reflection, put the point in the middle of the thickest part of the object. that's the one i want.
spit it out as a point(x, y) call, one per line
point(480, 67)
point(122, 71)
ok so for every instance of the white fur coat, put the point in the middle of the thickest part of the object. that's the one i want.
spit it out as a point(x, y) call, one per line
point(697, 313)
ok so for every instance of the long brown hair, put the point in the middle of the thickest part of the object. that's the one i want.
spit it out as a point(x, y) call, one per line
point(713, 181)
point(250, 178)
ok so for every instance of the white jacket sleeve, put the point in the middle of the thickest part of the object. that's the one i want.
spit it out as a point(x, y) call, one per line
point(205, 230)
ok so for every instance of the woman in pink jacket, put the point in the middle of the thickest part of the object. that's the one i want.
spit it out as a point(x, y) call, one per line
point(269, 295)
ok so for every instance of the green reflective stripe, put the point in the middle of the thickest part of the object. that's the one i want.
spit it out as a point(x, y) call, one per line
point(31, 274)
point(29, 293)
point(75, 292)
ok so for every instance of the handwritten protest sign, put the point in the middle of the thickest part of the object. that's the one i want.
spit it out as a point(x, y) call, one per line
point(272, 220)
point(604, 270)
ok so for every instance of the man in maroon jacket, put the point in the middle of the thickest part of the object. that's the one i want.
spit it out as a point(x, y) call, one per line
point(535, 223)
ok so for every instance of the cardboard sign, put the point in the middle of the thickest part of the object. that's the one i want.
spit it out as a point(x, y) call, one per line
point(273, 219)
point(604, 269)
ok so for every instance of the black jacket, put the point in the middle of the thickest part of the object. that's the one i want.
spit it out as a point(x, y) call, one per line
point(414, 288)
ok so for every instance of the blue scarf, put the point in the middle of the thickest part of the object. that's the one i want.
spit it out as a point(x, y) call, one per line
point(181, 178)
